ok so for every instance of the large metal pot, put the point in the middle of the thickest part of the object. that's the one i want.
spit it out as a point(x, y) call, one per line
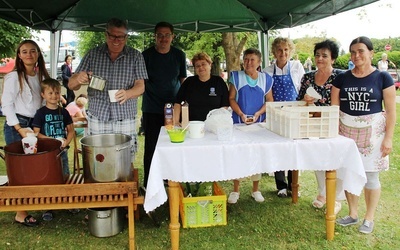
point(42, 168)
point(107, 158)
point(105, 222)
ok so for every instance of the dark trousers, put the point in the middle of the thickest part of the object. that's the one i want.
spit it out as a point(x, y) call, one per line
point(70, 93)
point(280, 180)
point(152, 124)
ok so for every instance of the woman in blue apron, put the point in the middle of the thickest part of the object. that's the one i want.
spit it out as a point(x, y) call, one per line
point(248, 92)
point(287, 78)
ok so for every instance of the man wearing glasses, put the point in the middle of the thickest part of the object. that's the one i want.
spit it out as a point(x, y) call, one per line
point(124, 70)
point(166, 67)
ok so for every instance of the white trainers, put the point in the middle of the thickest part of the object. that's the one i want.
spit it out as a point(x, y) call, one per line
point(282, 193)
point(257, 196)
point(338, 207)
point(233, 197)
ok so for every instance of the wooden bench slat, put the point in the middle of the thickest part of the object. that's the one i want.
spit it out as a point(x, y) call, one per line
point(65, 190)
point(74, 194)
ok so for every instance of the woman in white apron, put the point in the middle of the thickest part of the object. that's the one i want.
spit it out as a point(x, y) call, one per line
point(361, 93)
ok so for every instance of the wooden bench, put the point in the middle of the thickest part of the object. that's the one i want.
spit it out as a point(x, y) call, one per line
point(74, 194)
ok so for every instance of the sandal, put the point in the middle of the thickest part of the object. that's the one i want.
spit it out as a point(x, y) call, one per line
point(29, 221)
point(47, 216)
point(318, 204)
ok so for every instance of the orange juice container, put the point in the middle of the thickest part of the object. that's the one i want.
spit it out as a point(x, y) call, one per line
point(169, 116)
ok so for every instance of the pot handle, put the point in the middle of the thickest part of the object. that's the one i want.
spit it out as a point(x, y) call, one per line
point(119, 149)
point(1, 154)
point(62, 151)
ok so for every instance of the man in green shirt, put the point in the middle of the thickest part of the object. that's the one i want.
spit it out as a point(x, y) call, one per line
point(166, 69)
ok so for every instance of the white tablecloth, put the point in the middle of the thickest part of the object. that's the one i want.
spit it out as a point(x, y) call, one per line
point(253, 149)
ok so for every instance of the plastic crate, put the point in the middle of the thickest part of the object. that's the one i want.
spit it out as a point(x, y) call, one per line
point(203, 211)
point(294, 120)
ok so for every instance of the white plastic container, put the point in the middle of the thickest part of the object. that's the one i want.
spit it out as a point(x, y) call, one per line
point(294, 120)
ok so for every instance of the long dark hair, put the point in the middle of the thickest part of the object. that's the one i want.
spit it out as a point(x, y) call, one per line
point(20, 66)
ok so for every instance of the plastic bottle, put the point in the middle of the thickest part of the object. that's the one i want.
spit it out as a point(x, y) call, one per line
point(185, 114)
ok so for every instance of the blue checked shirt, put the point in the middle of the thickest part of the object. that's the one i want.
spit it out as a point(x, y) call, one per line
point(120, 74)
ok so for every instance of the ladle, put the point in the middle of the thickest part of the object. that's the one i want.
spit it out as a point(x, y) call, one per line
point(185, 128)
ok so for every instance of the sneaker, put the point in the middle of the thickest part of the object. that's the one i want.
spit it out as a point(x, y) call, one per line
point(338, 207)
point(233, 197)
point(366, 227)
point(47, 216)
point(347, 221)
point(282, 193)
point(74, 211)
point(257, 196)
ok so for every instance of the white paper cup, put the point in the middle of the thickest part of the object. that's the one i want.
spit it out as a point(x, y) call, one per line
point(111, 94)
point(196, 129)
point(29, 144)
point(30, 134)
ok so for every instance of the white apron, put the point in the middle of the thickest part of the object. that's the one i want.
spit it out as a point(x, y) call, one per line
point(368, 132)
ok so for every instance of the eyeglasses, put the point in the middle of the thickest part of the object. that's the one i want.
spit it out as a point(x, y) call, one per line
point(159, 35)
point(118, 38)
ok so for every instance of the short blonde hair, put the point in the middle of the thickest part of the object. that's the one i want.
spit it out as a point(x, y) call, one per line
point(280, 40)
point(81, 101)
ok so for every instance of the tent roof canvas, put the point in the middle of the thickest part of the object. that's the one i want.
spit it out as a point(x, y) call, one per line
point(185, 15)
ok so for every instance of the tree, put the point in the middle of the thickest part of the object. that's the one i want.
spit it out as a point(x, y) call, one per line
point(88, 40)
point(218, 48)
point(209, 43)
point(233, 47)
point(11, 35)
point(305, 45)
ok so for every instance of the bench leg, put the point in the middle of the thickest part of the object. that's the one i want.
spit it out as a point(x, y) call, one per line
point(136, 180)
point(131, 222)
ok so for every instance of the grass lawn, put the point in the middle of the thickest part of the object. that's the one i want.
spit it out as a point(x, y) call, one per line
point(273, 224)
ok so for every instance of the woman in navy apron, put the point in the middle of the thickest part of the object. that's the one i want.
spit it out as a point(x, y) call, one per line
point(287, 77)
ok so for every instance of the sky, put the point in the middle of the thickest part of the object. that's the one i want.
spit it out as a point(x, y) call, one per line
point(376, 20)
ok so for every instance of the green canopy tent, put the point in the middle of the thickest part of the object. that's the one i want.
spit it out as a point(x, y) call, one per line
point(185, 15)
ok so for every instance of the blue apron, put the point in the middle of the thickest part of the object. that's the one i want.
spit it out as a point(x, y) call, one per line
point(283, 88)
point(250, 96)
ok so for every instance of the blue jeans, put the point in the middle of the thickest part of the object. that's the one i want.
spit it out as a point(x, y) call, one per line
point(11, 135)
point(64, 161)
